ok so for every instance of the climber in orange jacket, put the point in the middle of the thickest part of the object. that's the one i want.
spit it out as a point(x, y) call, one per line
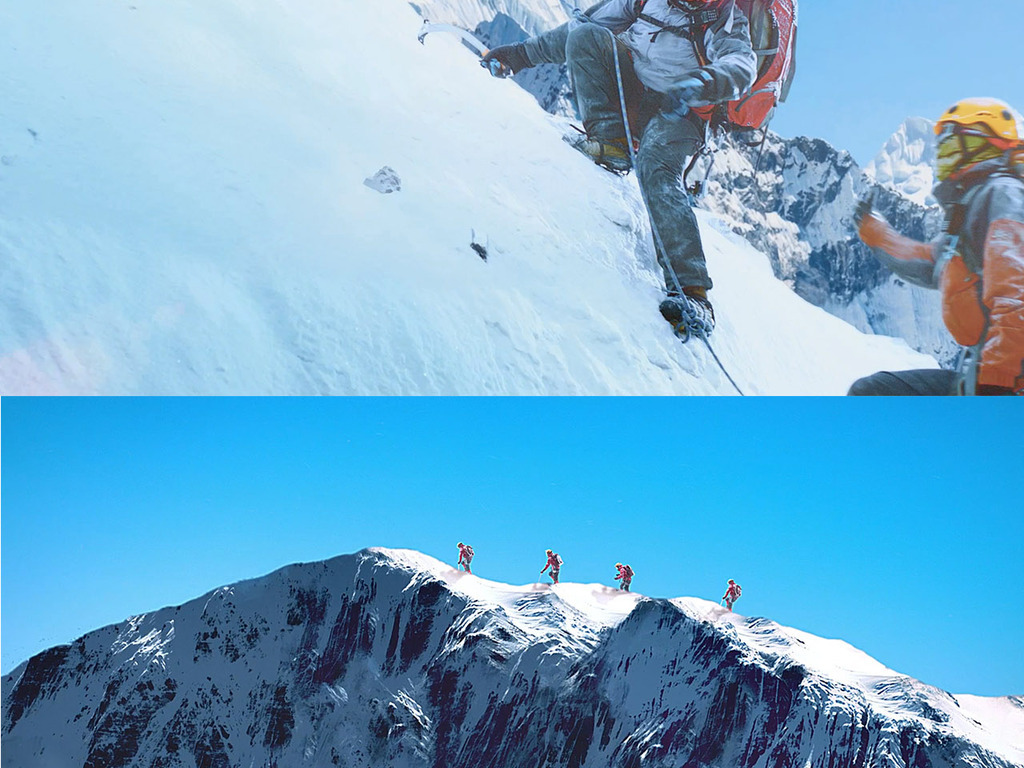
point(978, 263)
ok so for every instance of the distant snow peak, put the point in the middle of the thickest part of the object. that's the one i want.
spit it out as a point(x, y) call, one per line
point(907, 160)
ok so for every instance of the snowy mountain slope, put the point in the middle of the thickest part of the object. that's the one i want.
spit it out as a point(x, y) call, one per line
point(797, 206)
point(182, 210)
point(388, 657)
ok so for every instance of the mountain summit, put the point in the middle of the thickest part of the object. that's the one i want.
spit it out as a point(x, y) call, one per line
point(392, 658)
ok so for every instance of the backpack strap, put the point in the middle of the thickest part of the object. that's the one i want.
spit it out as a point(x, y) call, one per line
point(693, 30)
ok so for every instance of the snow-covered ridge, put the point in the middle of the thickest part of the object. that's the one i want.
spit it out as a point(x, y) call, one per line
point(390, 657)
point(602, 606)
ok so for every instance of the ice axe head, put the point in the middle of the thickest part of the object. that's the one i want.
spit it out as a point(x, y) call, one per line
point(496, 68)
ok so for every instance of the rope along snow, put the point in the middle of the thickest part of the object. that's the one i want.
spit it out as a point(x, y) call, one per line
point(580, 16)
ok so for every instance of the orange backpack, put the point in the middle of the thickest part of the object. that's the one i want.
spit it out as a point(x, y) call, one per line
point(773, 36)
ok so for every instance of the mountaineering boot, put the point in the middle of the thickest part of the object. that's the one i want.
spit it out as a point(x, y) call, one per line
point(690, 313)
point(610, 154)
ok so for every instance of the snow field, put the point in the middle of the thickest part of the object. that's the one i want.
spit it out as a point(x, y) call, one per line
point(182, 210)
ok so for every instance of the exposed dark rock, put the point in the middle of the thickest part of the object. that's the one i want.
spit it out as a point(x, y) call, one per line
point(281, 720)
point(40, 677)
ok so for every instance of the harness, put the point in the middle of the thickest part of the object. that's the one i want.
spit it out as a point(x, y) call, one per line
point(697, 23)
point(693, 31)
point(745, 117)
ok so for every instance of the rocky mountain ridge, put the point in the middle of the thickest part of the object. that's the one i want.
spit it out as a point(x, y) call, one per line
point(389, 657)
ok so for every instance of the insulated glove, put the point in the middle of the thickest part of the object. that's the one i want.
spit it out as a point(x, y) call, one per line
point(512, 57)
point(677, 101)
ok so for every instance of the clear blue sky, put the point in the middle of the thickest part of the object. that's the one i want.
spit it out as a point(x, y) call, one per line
point(894, 525)
point(865, 66)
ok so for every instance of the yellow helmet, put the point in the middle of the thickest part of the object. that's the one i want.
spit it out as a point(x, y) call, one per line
point(996, 119)
point(973, 131)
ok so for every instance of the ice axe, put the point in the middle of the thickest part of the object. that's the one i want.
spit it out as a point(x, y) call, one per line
point(865, 206)
point(496, 67)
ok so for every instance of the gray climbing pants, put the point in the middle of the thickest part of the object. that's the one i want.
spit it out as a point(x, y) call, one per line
point(666, 145)
point(930, 383)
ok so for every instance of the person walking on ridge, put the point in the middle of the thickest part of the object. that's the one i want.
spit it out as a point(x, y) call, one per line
point(672, 55)
point(732, 594)
point(555, 563)
point(626, 575)
point(465, 556)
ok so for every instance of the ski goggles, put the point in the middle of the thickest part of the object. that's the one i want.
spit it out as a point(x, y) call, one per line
point(958, 147)
point(947, 130)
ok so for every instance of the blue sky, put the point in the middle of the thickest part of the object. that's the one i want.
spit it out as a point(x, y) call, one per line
point(865, 66)
point(894, 525)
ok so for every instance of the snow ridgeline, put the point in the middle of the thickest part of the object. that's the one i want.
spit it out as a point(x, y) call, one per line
point(182, 211)
point(389, 657)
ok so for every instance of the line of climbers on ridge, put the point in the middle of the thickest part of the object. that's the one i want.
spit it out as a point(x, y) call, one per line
point(651, 76)
point(624, 573)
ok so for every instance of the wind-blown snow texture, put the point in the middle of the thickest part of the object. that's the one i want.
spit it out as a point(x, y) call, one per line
point(182, 210)
point(389, 657)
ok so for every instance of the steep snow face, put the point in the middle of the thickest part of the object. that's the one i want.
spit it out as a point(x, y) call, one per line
point(906, 163)
point(183, 211)
point(534, 16)
point(896, 308)
point(389, 657)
